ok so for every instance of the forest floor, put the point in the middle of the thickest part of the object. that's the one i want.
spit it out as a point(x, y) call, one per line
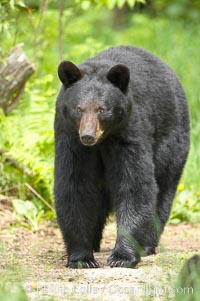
point(37, 259)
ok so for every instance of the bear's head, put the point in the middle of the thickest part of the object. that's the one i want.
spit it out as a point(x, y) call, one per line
point(94, 99)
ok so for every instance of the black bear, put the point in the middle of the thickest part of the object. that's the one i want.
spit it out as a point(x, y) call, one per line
point(121, 142)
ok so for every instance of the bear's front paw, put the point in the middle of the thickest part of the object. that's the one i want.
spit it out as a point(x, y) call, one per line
point(82, 264)
point(117, 260)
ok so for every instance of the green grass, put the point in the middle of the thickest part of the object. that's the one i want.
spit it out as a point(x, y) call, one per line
point(16, 292)
point(28, 132)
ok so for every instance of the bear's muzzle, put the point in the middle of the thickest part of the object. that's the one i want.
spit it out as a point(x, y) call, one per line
point(90, 129)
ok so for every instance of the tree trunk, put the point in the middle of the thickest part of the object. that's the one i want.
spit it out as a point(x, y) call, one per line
point(14, 73)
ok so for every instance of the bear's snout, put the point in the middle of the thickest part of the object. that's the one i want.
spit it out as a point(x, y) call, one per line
point(90, 130)
point(88, 138)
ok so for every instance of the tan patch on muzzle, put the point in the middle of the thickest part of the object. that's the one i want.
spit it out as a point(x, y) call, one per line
point(90, 127)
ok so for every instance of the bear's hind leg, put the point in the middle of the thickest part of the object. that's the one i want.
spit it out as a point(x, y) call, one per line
point(167, 184)
point(168, 170)
point(167, 189)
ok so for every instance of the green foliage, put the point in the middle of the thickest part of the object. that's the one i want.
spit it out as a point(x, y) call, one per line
point(11, 179)
point(29, 137)
point(85, 4)
point(30, 211)
point(16, 292)
point(186, 207)
point(188, 282)
point(184, 9)
point(8, 9)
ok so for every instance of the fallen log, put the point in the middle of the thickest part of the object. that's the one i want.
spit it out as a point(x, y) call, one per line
point(14, 73)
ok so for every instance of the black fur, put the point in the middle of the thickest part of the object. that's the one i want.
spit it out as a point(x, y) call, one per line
point(135, 166)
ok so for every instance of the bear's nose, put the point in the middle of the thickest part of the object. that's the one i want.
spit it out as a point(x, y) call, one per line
point(87, 138)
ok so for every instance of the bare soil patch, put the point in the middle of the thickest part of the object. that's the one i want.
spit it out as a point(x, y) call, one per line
point(37, 259)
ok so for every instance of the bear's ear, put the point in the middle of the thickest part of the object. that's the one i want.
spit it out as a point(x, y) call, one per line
point(68, 73)
point(119, 76)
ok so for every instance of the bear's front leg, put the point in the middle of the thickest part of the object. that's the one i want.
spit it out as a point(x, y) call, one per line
point(134, 192)
point(77, 200)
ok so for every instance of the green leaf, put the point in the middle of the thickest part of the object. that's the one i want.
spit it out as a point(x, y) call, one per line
point(24, 208)
point(110, 3)
point(21, 4)
point(120, 3)
point(131, 3)
point(12, 4)
point(175, 221)
point(28, 210)
point(85, 5)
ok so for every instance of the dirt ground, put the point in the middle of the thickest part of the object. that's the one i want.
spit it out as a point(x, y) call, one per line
point(37, 259)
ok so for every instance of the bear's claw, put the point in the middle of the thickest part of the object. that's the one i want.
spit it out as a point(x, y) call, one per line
point(83, 264)
point(118, 261)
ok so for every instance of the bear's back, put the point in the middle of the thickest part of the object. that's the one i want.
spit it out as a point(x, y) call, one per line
point(137, 59)
point(147, 72)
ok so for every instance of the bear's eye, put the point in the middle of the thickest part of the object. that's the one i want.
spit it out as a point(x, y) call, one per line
point(101, 110)
point(79, 109)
